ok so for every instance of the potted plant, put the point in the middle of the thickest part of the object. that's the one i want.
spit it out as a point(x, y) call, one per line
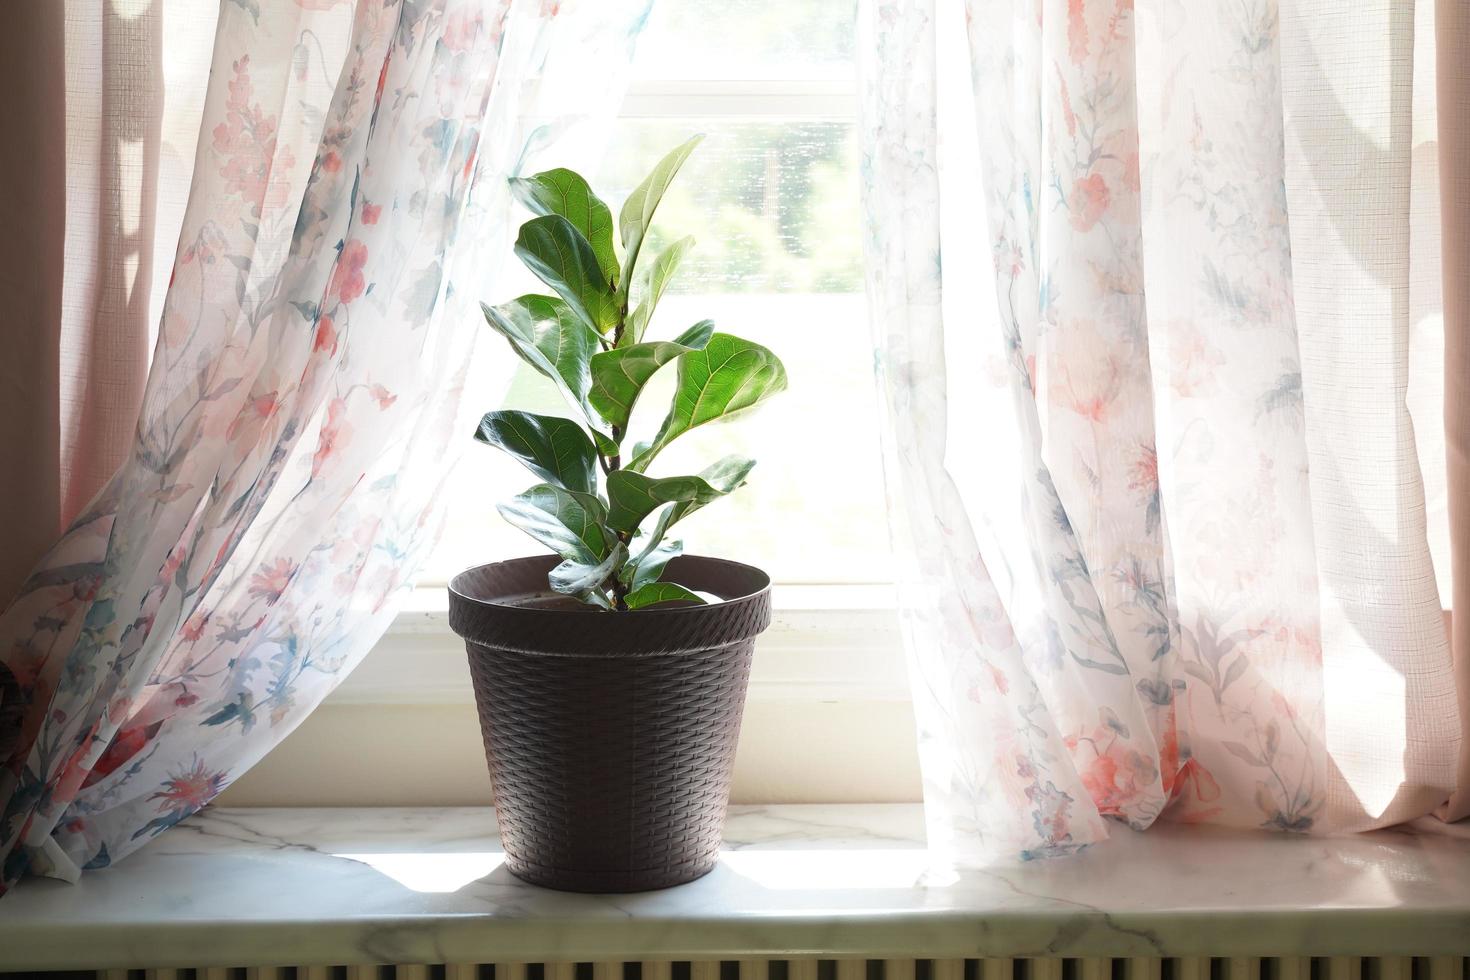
point(610, 676)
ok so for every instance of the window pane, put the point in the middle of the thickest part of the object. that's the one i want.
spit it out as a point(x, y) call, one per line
point(773, 206)
point(747, 39)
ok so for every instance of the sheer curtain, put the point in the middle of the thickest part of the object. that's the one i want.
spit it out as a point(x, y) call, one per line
point(1162, 418)
point(97, 189)
point(304, 403)
point(1452, 36)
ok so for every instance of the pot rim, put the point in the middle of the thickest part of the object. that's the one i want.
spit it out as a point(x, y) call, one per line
point(494, 601)
point(657, 631)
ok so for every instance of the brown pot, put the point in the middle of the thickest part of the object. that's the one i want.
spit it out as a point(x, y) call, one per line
point(610, 735)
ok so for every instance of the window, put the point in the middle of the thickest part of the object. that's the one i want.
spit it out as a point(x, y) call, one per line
point(771, 196)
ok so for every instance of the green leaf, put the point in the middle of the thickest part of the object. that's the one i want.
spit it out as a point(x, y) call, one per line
point(553, 248)
point(727, 376)
point(698, 335)
point(650, 562)
point(633, 496)
point(604, 444)
point(567, 522)
point(652, 280)
point(725, 475)
point(657, 592)
point(547, 335)
point(555, 449)
point(597, 598)
point(581, 578)
point(566, 193)
point(618, 375)
point(637, 212)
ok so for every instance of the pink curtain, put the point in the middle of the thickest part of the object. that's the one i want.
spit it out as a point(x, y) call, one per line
point(1147, 283)
point(302, 410)
point(31, 281)
point(100, 181)
point(1453, 63)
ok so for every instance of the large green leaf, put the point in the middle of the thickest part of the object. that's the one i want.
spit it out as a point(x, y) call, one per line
point(547, 335)
point(653, 278)
point(553, 248)
point(657, 592)
point(633, 496)
point(637, 212)
point(581, 579)
point(724, 475)
point(555, 449)
point(650, 562)
point(654, 552)
point(564, 192)
point(567, 522)
point(727, 376)
point(618, 375)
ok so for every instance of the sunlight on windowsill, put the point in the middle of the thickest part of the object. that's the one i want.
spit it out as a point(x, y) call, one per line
point(776, 870)
point(432, 873)
point(792, 870)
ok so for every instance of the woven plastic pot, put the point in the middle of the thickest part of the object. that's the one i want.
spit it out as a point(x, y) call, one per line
point(610, 736)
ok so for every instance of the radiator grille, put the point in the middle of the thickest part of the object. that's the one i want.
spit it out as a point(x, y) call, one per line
point(1090, 968)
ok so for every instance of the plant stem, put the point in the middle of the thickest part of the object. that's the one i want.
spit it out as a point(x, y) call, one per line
point(620, 594)
point(615, 582)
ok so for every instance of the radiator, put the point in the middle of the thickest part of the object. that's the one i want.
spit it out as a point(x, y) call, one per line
point(811, 968)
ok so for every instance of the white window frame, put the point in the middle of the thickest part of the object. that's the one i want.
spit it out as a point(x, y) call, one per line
point(741, 99)
point(827, 642)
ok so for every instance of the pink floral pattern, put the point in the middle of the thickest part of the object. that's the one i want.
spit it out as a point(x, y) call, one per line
point(303, 411)
point(1138, 632)
point(245, 142)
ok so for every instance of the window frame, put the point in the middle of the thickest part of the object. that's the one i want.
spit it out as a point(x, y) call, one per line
point(825, 643)
point(739, 99)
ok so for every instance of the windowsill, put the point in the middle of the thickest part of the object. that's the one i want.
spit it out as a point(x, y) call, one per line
point(237, 887)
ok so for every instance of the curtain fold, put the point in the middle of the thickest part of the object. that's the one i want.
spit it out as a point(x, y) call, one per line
point(1452, 32)
point(34, 171)
point(102, 178)
point(1168, 535)
point(304, 405)
point(1358, 239)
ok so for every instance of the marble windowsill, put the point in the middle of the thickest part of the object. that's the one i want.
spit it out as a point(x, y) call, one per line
point(238, 887)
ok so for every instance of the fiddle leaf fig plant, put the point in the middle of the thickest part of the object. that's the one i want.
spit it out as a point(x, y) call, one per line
point(598, 507)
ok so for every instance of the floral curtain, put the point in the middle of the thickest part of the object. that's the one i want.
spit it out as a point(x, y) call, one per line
point(303, 407)
point(1152, 417)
